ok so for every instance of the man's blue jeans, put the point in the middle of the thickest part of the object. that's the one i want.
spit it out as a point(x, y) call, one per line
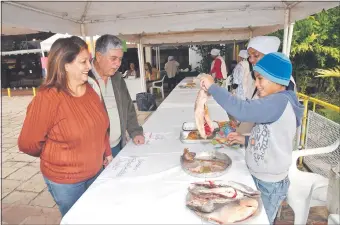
point(115, 150)
point(65, 195)
point(272, 195)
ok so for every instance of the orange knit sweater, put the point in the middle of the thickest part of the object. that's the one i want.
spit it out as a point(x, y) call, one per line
point(68, 133)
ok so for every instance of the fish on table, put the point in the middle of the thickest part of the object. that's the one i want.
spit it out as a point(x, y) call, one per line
point(222, 202)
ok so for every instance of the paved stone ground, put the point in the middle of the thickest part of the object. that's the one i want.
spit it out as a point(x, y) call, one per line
point(25, 198)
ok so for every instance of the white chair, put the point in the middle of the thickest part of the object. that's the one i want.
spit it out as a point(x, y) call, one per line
point(307, 189)
point(158, 85)
point(334, 219)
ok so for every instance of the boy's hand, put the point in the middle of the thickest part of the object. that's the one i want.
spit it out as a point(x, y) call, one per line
point(236, 138)
point(206, 82)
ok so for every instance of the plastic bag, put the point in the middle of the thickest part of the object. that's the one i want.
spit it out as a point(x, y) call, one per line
point(146, 102)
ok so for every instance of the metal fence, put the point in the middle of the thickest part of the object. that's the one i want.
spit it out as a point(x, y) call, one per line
point(321, 132)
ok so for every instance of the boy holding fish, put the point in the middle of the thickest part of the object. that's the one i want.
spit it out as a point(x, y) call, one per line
point(276, 114)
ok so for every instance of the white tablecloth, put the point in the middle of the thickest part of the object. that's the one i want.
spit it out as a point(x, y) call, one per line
point(145, 184)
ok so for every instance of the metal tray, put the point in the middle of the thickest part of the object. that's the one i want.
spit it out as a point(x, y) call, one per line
point(191, 126)
point(210, 155)
point(184, 134)
point(184, 85)
point(246, 221)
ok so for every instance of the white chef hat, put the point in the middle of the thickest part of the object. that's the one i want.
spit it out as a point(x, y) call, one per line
point(265, 44)
point(243, 54)
point(215, 52)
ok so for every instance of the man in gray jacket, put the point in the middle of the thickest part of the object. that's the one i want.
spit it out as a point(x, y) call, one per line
point(114, 92)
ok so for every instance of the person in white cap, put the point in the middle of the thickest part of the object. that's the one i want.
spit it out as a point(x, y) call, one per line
point(263, 45)
point(171, 68)
point(243, 85)
point(218, 67)
point(260, 46)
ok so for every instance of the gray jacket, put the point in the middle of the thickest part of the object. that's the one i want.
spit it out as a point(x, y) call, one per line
point(126, 108)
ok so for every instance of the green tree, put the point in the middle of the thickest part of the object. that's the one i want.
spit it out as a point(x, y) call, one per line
point(204, 51)
point(335, 72)
point(315, 45)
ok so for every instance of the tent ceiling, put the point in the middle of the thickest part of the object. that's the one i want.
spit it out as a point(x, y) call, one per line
point(210, 36)
point(148, 19)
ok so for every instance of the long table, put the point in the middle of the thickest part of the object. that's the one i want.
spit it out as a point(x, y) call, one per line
point(145, 184)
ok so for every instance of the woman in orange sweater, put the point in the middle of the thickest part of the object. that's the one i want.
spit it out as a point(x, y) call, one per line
point(66, 125)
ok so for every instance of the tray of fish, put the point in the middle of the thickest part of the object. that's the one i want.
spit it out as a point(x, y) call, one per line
point(204, 130)
point(205, 164)
point(191, 126)
point(224, 202)
point(194, 137)
point(187, 85)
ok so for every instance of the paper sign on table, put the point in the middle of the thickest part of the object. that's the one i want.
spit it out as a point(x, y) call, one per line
point(151, 137)
point(140, 166)
point(124, 166)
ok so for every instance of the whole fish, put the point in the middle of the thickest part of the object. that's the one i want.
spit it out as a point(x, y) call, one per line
point(232, 214)
point(203, 122)
point(205, 195)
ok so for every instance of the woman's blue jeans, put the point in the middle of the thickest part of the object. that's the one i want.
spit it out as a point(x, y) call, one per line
point(65, 195)
point(115, 150)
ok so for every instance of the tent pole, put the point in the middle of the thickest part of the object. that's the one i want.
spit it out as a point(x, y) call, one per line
point(289, 44)
point(148, 54)
point(82, 31)
point(156, 58)
point(141, 65)
point(234, 50)
point(159, 58)
point(236, 53)
point(250, 32)
point(92, 47)
point(285, 33)
point(290, 36)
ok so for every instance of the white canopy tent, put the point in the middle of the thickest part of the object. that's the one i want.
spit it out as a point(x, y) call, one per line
point(155, 23)
point(147, 19)
point(46, 44)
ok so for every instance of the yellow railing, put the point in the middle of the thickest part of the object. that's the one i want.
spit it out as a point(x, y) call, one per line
point(9, 92)
point(316, 101)
point(306, 99)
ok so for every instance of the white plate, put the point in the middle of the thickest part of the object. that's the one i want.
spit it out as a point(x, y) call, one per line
point(209, 155)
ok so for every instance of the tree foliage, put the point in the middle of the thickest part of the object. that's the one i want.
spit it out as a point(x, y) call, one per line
point(204, 51)
point(315, 54)
point(315, 46)
point(335, 72)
